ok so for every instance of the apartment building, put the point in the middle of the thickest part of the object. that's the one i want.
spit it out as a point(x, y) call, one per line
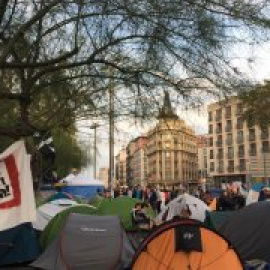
point(202, 144)
point(171, 150)
point(103, 176)
point(138, 164)
point(121, 167)
point(237, 151)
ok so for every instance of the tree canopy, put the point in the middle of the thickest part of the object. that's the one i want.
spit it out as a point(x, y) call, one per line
point(58, 58)
point(257, 104)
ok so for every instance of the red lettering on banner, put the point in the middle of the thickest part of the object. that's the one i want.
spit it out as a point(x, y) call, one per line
point(13, 174)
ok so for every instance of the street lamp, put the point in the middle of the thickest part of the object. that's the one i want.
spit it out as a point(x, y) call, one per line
point(94, 127)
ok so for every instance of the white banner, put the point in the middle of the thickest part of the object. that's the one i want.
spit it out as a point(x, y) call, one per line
point(17, 201)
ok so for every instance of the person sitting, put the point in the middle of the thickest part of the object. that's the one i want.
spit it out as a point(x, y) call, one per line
point(140, 218)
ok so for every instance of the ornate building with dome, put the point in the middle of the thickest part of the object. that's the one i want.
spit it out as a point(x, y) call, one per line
point(171, 150)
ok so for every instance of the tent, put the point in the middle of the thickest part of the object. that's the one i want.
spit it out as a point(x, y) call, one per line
point(183, 244)
point(83, 186)
point(57, 222)
point(88, 242)
point(121, 207)
point(215, 219)
point(196, 207)
point(59, 195)
point(18, 245)
point(48, 210)
point(248, 231)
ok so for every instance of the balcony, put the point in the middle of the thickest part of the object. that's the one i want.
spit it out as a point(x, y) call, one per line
point(231, 169)
point(219, 143)
point(252, 153)
point(228, 114)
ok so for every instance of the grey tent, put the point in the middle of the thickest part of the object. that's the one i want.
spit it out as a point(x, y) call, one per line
point(88, 242)
point(248, 231)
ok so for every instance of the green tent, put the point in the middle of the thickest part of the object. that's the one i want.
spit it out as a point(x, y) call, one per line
point(215, 219)
point(54, 226)
point(122, 207)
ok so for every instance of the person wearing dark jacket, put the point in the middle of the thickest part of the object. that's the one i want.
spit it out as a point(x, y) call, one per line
point(226, 202)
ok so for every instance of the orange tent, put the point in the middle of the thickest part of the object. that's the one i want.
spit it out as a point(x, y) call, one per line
point(185, 244)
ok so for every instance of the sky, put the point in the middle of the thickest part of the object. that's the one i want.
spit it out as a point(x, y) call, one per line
point(258, 69)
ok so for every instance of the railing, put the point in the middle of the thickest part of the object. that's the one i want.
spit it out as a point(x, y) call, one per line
point(230, 169)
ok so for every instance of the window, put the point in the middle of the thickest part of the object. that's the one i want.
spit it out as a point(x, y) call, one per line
point(212, 166)
point(220, 166)
point(241, 151)
point(218, 115)
point(242, 165)
point(265, 147)
point(252, 134)
point(230, 166)
point(240, 123)
point(220, 154)
point(229, 140)
point(219, 128)
point(239, 108)
point(211, 142)
point(210, 116)
point(264, 133)
point(210, 129)
point(228, 126)
point(211, 154)
point(228, 111)
point(240, 136)
point(252, 149)
point(230, 152)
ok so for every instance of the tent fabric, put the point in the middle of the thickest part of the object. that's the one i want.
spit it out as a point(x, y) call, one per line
point(59, 195)
point(18, 245)
point(216, 219)
point(88, 242)
point(158, 250)
point(83, 179)
point(53, 228)
point(121, 207)
point(83, 192)
point(47, 211)
point(248, 231)
point(83, 186)
point(183, 202)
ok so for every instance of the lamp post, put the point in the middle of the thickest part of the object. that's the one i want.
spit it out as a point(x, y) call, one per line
point(94, 127)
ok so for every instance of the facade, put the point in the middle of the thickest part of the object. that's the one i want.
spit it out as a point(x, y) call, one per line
point(121, 168)
point(237, 151)
point(171, 150)
point(130, 150)
point(202, 143)
point(139, 162)
point(103, 176)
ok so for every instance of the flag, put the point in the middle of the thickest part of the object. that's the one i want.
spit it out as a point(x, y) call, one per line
point(17, 202)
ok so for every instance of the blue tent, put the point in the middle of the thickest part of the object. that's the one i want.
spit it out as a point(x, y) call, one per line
point(83, 186)
point(18, 245)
